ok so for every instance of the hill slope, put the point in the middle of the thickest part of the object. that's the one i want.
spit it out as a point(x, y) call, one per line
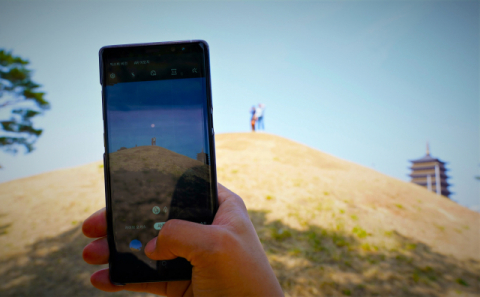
point(300, 179)
point(330, 227)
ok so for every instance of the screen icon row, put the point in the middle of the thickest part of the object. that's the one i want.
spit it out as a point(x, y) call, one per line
point(157, 209)
point(152, 73)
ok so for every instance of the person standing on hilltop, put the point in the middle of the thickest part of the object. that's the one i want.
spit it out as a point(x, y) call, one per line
point(253, 118)
point(260, 111)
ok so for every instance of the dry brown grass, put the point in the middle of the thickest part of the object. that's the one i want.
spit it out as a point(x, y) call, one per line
point(329, 227)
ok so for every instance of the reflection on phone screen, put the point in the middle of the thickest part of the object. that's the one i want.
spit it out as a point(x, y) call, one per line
point(158, 160)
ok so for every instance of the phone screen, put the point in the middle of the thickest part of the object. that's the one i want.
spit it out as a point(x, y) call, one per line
point(159, 151)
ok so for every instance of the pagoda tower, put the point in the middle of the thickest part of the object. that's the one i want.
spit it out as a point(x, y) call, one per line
point(430, 173)
point(203, 157)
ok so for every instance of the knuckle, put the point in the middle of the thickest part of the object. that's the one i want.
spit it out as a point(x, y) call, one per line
point(224, 242)
point(240, 203)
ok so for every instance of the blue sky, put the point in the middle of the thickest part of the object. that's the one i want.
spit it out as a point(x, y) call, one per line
point(171, 111)
point(366, 81)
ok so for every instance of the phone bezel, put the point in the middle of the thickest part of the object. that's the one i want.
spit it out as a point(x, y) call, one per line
point(117, 279)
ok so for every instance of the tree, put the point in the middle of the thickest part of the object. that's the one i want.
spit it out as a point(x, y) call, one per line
point(19, 100)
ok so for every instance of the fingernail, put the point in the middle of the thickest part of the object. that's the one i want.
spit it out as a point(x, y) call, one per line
point(150, 247)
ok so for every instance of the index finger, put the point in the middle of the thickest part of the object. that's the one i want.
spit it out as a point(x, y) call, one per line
point(96, 225)
point(224, 194)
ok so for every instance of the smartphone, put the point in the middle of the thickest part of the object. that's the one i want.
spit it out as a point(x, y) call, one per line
point(159, 156)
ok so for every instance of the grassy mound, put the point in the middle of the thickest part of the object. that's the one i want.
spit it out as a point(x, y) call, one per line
point(329, 227)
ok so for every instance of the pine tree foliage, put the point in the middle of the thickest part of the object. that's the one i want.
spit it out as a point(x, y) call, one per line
point(20, 101)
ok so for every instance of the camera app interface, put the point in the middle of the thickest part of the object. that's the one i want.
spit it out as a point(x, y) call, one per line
point(158, 148)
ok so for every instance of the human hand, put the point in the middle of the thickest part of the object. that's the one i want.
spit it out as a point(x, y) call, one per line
point(227, 256)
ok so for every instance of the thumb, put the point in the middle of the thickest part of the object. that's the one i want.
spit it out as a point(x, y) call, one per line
point(180, 238)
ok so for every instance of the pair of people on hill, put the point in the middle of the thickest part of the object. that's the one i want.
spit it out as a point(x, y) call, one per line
point(257, 114)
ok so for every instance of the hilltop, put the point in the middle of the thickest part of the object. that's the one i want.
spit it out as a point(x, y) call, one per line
point(151, 158)
point(330, 227)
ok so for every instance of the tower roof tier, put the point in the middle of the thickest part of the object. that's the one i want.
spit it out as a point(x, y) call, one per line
point(416, 166)
point(425, 174)
point(424, 184)
point(427, 159)
point(428, 168)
